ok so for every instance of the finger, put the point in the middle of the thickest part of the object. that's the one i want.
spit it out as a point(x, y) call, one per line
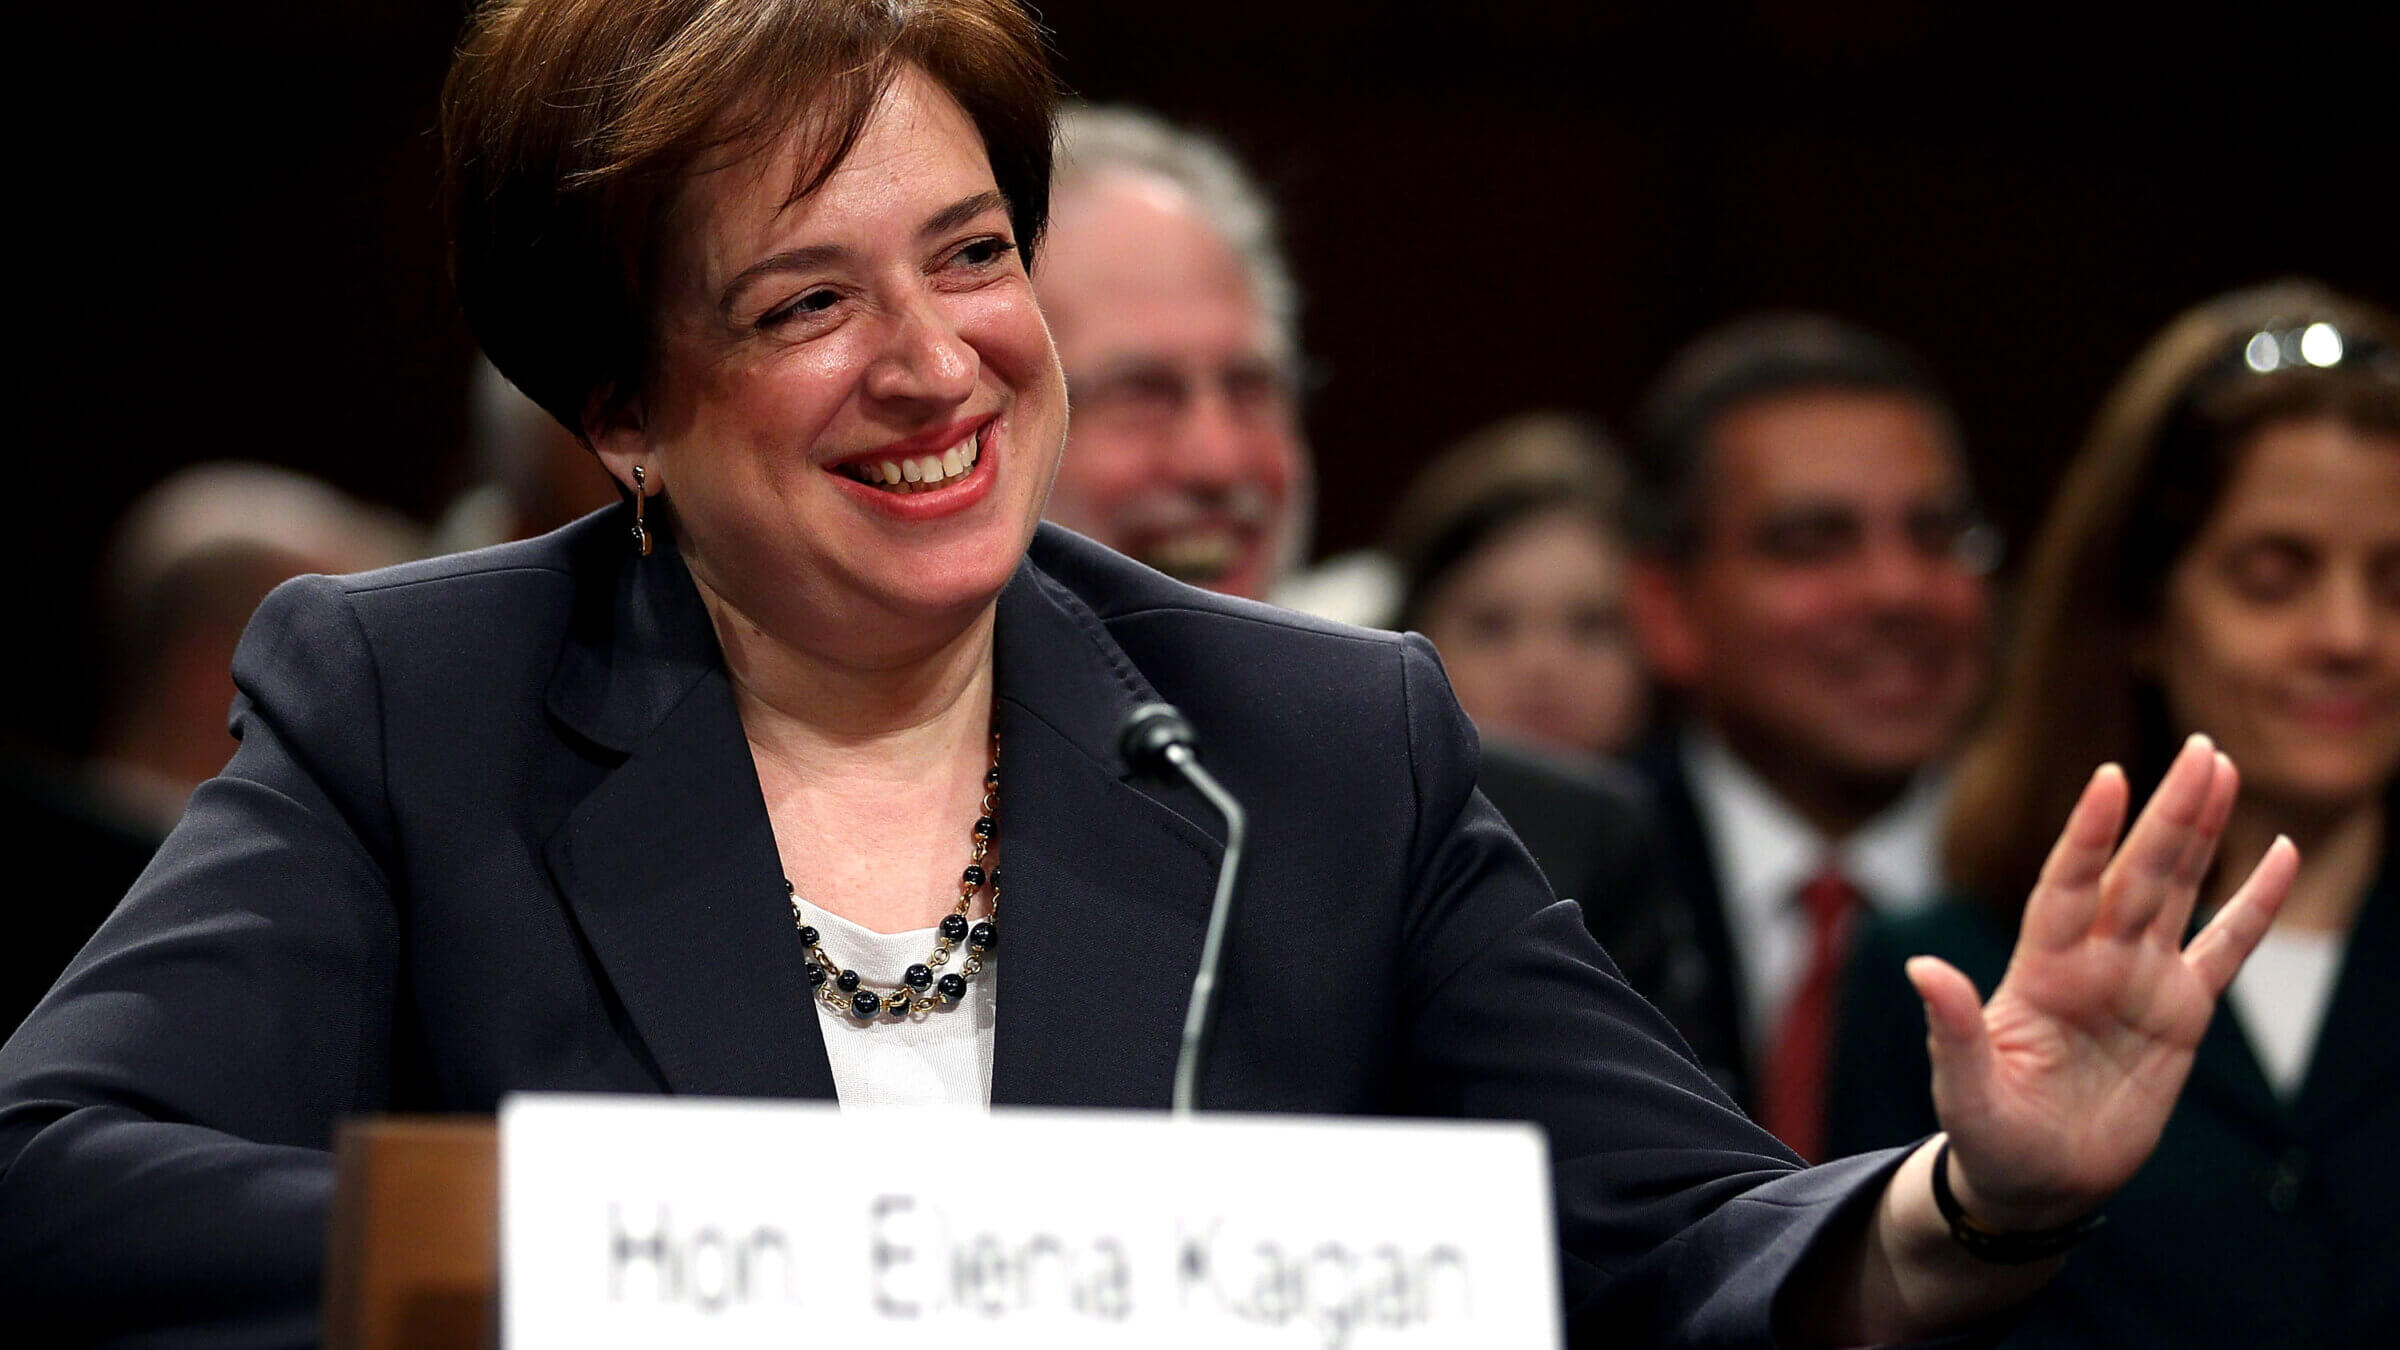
point(2063, 902)
point(2233, 934)
point(2183, 890)
point(2137, 881)
point(1955, 1038)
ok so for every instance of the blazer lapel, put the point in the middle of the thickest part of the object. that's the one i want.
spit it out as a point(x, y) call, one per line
point(2225, 1071)
point(1107, 877)
point(1696, 979)
point(2357, 1054)
point(669, 865)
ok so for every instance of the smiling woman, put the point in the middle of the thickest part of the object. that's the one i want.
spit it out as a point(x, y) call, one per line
point(726, 811)
point(2223, 557)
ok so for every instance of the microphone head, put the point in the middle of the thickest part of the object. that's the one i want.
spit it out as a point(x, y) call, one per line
point(1149, 731)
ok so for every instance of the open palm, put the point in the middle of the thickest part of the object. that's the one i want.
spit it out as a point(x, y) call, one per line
point(2054, 1091)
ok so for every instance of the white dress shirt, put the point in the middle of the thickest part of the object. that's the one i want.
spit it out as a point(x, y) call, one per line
point(1763, 852)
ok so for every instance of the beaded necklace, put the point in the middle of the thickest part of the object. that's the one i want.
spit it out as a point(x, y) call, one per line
point(836, 986)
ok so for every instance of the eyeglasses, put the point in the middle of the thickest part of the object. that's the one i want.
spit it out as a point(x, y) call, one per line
point(2304, 345)
point(1158, 393)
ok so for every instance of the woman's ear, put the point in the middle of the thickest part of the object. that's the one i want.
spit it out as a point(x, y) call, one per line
point(616, 431)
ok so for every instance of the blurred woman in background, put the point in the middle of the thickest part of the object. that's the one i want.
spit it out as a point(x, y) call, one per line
point(1512, 554)
point(2223, 557)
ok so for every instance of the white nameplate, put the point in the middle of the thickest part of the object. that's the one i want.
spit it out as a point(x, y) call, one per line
point(654, 1221)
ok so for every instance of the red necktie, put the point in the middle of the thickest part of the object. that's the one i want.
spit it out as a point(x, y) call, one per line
point(1791, 1101)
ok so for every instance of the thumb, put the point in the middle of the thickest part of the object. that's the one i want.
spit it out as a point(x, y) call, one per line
point(1955, 1038)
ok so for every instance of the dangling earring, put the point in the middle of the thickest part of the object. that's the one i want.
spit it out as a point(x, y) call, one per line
point(641, 499)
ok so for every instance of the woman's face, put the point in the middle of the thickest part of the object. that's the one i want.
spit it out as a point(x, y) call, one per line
point(1531, 628)
point(2281, 633)
point(880, 328)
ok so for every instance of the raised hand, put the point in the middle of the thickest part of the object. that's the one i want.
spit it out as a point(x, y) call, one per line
point(2054, 1091)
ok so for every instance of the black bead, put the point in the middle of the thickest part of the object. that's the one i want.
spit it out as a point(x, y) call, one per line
point(816, 975)
point(848, 980)
point(899, 1003)
point(953, 986)
point(986, 934)
point(973, 875)
point(864, 1005)
point(954, 927)
point(919, 976)
point(808, 936)
point(983, 827)
point(995, 878)
point(991, 777)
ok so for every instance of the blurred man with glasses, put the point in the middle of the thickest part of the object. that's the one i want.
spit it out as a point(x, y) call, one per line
point(1173, 314)
point(1173, 311)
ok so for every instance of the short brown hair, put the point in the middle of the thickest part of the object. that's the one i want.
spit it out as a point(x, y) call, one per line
point(2160, 454)
point(570, 126)
point(1491, 481)
point(1751, 360)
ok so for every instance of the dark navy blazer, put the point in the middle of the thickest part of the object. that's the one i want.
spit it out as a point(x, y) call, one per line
point(493, 826)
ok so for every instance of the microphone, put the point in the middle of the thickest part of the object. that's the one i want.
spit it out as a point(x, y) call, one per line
point(1156, 738)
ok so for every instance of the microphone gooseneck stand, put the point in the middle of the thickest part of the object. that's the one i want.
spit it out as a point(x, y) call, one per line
point(1155, 736)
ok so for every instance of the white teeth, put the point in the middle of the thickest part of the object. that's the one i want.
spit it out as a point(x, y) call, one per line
point(920, 473)
point(1197, 555)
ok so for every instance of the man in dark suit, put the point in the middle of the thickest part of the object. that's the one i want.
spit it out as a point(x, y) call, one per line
point(1811, 588)
point(1172, 306)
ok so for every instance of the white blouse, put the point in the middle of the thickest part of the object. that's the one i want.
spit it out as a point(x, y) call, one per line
point(938, 1058)
point(2280, 997)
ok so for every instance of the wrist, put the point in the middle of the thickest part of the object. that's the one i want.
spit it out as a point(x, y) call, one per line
point(1997, 1234)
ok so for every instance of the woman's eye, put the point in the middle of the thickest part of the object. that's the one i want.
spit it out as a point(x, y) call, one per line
point(812, 302)
point(984, 252)
point(2383, 578)
point(2269, 570)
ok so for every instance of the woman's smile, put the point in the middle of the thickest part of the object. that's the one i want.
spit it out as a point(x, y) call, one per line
point(939, 467)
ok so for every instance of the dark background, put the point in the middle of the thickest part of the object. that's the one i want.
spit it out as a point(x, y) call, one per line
point(232, 247)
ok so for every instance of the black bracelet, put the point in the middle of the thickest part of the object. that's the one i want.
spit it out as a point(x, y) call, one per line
point(2004, 1249)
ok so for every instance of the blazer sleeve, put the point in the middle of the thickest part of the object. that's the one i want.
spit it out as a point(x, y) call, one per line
point(1679, 1221)
point(166, 1113)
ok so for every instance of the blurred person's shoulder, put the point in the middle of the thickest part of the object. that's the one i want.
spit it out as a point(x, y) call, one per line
point(1253, 678)
point(1127, 596)
point(1605, 784)
point(1965, 931)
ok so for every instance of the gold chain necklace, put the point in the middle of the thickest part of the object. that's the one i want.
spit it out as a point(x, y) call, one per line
point(924, 987)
